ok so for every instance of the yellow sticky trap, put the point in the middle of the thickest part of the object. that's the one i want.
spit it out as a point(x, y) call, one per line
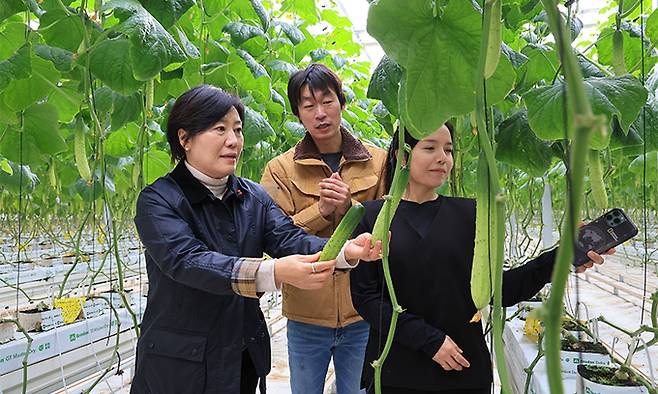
point(533, 328)
point(71, 308)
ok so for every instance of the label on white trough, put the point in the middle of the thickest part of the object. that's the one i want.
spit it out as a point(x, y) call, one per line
point(51, 319)
point(94, 307)
point(63, 339)
point(571, 360)
point(590, 387)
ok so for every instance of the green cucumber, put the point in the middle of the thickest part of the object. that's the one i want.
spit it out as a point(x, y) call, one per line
point(79, 149)
point(618, 61)
point(343, 232)
point(481, 270)
point(596, 180)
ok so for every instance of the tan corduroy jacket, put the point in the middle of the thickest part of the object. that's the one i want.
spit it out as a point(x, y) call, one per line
point(292, 180)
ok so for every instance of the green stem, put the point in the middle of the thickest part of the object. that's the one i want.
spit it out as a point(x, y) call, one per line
point(654, 322)
point(115, 351)
point(388, 210)
point(494, 188)
point(379, 363)
point(78, 239)
point(528, 370)
point(28, 349)
point(584, 123)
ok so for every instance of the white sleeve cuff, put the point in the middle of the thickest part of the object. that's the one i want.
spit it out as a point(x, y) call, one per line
point(265, 277)
point(342, 263)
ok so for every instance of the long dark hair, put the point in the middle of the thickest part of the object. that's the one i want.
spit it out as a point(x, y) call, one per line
point(391, 157)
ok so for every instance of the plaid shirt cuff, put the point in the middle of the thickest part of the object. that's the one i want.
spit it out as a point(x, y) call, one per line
point(243, 278)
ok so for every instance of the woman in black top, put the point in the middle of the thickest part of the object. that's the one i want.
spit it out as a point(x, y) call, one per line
point(435, 348)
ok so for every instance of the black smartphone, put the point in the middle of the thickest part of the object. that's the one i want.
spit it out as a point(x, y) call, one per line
point(605, 232)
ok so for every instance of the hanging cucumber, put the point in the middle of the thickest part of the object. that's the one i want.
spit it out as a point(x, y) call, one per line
point(618, 62)
point(342, 232)
point(51, 175)
point(596, 180)
point(79, 148)
point(481, 271)
point(495, 38)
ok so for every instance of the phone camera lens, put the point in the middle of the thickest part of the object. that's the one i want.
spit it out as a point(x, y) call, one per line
point(609, 217)
point(617, 221)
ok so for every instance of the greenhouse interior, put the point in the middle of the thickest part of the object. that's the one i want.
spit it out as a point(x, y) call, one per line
point(170, 171)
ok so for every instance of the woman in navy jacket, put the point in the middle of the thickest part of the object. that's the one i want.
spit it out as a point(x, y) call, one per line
point(435, 349)
point(205, 231)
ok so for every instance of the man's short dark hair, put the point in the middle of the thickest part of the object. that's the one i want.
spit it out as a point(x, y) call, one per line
point(318, 78)
point(197, 110)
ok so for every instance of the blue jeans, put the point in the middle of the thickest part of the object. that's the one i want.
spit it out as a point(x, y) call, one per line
point(310, 348)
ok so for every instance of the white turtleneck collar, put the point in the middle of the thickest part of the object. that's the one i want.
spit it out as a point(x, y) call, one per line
point(215, 185)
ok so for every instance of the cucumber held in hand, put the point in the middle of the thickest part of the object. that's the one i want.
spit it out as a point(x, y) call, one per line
point(342, 232)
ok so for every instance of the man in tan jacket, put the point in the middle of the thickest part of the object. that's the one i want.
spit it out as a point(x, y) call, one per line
point(315, 183)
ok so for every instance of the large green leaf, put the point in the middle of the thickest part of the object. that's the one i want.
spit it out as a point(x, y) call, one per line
point(518, 146)
point(615, 97)
point(190, 49)
point(638, 164)
point(633, 49)
point(152, 48)
point(40, 136)
point(67, 100)
point(257, 69)
point(256, 127)
point(262, 13)
point(304, 8)
point(281, 69)
point(109, 63)
point(167, 12)
point(61, 58)
point(241, 32)
point(542, 64)
point(21, 93)
point(629, 144)
point(93, 192)
point(126, 109)
point(156, 164)
point(644, 128)
point(652, 27)
point(61, 29)
point(12, 37)
point(385, 83)
point(10, 7)
point(438, 86)
point(20, 174)
point(235, 76)
point(292, 32)
point(121, 142)
point(18, 66)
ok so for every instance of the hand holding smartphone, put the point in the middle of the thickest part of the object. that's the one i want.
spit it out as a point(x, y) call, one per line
point(605, 232)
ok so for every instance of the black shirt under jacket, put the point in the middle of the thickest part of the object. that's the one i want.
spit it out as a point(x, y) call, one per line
point(431, 273)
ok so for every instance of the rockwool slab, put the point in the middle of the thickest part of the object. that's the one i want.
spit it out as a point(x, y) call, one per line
point(60, 340)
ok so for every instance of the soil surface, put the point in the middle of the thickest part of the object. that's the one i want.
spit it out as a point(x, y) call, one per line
point(583, 346)
point(605, 375)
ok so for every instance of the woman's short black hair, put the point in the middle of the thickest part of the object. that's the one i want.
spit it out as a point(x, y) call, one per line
point(197, 110)
point(391, 157)
point(318, 78)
